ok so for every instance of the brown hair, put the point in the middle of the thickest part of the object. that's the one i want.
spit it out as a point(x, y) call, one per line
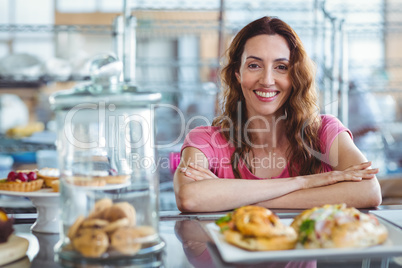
point(302, 122)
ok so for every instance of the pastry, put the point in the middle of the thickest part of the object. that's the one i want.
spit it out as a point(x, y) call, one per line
point(99, 208)
point(113, 226)
point(55, 186)
point(21, 181)
point(94, 223)
point(256, 228)
point(72, 232)
point(86, 181)
point(117, 179)
point(120, 210)
point(91, 242)
point(109, 227)
point(338, 226)
point(49, 175)
point(128, 240)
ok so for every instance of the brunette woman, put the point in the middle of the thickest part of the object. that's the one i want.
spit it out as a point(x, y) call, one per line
point(270, 146)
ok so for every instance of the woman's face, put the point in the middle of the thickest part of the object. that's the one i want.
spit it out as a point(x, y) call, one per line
point(264, 74)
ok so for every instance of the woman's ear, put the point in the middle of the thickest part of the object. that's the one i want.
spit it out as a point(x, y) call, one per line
point(238, 77)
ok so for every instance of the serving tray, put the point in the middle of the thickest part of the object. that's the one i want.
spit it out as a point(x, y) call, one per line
point(230, 253)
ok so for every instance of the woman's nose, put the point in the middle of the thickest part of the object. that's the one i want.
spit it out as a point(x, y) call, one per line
point(267, 77)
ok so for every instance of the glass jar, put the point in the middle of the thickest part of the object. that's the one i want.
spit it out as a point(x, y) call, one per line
point(109, 182)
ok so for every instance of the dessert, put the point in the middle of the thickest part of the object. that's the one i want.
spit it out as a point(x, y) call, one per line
point(86, 181)
point(21, 181)
point(338, 226)
point(49, 175)
point(256, 229)
point(98, 178)
point(110, 227)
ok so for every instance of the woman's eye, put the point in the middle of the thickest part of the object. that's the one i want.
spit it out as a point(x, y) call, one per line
point(282, 67)
point(253, 66)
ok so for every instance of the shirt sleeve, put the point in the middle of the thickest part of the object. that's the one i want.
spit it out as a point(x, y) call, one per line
point(330, 129)
point(200, 138)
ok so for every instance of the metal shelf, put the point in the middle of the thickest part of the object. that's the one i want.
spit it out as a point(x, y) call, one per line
point(35, 82)
point(35, 28)
point(8, 145)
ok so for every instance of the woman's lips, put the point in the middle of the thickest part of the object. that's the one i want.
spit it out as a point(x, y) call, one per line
point(266, 95)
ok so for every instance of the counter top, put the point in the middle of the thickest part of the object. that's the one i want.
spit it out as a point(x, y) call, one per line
point(188, 244)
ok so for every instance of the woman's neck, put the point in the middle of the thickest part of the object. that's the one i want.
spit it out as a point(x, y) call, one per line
point(268, 133)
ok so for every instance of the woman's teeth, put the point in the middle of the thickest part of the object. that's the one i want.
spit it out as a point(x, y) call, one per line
point(266, 94)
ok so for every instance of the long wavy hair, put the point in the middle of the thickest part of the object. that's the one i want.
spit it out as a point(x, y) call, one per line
point(302, 122)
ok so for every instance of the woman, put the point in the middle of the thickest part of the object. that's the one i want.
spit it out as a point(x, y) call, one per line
point(270, 146)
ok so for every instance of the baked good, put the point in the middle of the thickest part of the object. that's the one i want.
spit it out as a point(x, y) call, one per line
point(338, 226)
point(6, 226)
point(21, 181)
point(109, 227)
point(91, 242)
point(257, 229)
point(128, 240)
point(119, 211)
point(49, 175)
point(55, 186)
point(116, 179)
point(86, 181)
point(99, 208)
point(97, 180)
point(25, 130)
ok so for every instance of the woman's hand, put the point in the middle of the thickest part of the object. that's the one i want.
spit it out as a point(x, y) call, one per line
point(197, 172)
point(352, 173)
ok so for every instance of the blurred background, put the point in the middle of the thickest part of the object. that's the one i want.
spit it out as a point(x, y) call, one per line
point(177, 49)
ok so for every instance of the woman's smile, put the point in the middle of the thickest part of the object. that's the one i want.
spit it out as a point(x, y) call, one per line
point(266, 95)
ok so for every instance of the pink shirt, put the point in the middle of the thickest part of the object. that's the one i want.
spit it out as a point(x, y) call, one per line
point(218, 150)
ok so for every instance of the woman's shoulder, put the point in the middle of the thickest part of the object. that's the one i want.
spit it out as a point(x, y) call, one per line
point(331, 126)
point(205, 135)
point(329, 119)
point(205, 129)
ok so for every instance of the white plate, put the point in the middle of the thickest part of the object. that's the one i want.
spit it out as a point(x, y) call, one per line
point(393, 216)
point(40, 193)
point(230, 253)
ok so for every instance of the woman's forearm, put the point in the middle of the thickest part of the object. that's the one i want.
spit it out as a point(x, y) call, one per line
point(362, 194)
point(226, 194)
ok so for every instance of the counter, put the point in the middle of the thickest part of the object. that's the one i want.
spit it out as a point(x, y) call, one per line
point(188, 244)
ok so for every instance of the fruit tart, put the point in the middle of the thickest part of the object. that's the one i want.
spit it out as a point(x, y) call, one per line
point(21, 181)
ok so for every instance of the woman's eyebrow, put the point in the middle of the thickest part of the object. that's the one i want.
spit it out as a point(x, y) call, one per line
point(282, 59)
point(254, 57)
point(260, 59)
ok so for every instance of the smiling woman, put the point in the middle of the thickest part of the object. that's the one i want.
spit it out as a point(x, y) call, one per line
point(270, 146)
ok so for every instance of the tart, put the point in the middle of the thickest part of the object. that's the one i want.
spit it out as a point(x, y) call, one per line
point(21, 181)
point(49, 175)
point(86, 181)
